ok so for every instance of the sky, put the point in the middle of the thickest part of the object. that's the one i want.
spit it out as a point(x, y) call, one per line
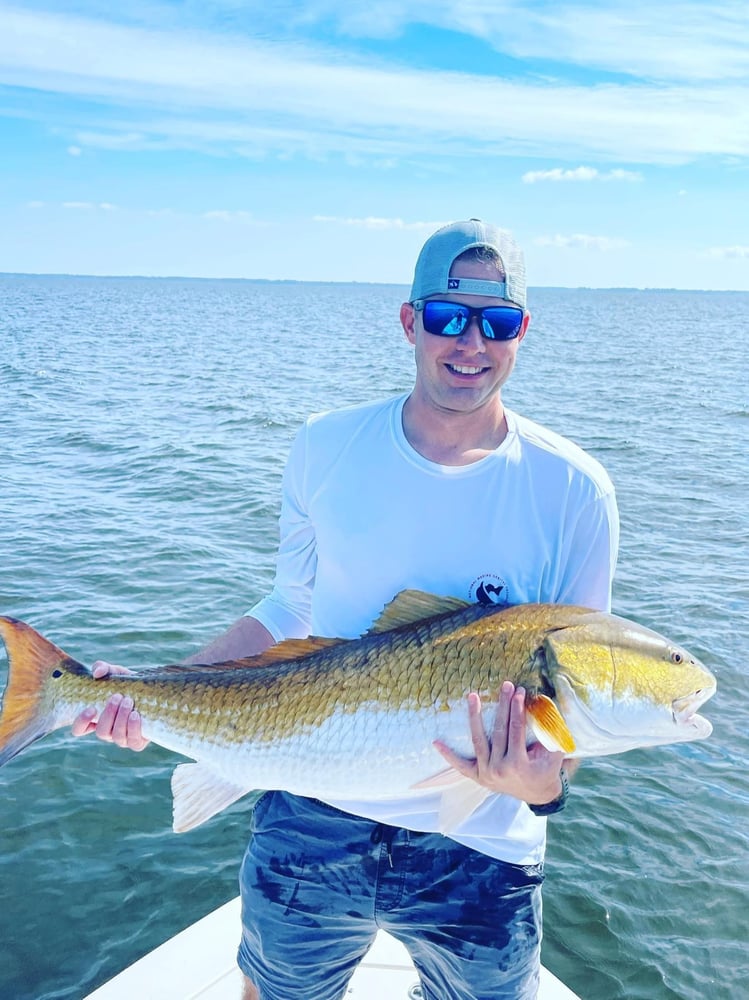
point(326, 140)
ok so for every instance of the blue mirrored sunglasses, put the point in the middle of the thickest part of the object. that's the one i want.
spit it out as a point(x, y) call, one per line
point(450, 319)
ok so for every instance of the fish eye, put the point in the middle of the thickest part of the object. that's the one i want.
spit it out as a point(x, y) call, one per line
point(57, 673)
point(676, 656)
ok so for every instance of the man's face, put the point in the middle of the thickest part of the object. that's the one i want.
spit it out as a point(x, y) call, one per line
point(461, 373)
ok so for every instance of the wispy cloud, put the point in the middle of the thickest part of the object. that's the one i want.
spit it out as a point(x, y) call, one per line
point(372, 222)
point(581, 241)
point(226, 215)
point(220, 215)
point(729, 253)
point(89, 206)
point(177, 89)
point(580, 174)
point(684, 40)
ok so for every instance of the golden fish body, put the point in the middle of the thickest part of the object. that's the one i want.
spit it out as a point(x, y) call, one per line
point(345, 719)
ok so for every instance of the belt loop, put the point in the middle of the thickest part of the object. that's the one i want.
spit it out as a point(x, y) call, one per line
point(381, 833)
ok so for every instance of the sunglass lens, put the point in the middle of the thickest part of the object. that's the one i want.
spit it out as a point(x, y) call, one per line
point(501, 322)
point(445, 319)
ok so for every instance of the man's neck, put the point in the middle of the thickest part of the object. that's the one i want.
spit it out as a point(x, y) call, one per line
point(451, 437)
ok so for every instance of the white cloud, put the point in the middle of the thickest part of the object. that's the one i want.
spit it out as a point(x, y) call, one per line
point(113, 140)
point(166, 89)
point(581, 241)
point(729, 253)
point(74, 150)
point(681, 40)
point(224, 215)
point(372, 222)
point(580, 174)
point(89, 206)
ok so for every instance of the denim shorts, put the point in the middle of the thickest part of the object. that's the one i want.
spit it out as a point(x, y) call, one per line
point(317, 883)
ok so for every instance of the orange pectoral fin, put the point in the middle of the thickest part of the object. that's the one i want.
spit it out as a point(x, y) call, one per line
point(548, 724)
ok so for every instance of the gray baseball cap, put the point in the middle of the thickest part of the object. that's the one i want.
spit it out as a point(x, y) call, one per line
point(432, 273)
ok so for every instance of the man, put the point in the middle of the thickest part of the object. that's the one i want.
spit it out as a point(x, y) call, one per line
point(445, 490)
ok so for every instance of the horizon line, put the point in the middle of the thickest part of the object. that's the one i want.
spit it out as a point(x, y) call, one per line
point(333, 281)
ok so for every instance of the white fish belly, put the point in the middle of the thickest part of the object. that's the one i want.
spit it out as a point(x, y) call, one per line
point(369, 753)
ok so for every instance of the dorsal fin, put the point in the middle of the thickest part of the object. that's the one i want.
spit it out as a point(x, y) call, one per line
point(289, 649)
point(411, 606)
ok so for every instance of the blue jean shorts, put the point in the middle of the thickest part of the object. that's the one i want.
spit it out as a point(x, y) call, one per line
point(317, 883)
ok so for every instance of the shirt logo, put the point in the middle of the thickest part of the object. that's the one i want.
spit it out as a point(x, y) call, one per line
point(453, 283)
point(490, 589)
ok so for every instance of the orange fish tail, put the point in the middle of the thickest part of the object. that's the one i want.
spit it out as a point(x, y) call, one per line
point(32, 661)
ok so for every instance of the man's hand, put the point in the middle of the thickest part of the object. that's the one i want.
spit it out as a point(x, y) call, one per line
point(503, 763)
point(119, 722)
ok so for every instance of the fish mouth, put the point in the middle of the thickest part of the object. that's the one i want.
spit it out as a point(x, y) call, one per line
point(684, 710)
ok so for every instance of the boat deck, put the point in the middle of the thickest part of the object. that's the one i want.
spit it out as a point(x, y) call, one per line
point(199, 964)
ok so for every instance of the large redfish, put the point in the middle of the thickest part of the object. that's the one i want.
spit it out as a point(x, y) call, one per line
point(357, 718)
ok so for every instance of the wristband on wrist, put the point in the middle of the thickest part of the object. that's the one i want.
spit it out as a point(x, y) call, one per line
point(556, 805)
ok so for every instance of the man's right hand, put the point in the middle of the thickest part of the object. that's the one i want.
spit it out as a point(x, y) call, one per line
point(119, 722)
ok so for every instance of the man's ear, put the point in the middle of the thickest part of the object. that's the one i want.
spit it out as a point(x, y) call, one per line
point(408, 322)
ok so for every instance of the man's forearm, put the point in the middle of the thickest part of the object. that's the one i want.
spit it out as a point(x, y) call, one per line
point(246, 637)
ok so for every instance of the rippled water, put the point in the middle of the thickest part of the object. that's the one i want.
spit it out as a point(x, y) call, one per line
point(144, 424)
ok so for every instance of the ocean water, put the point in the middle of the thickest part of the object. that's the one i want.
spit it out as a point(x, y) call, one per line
point(143, 430)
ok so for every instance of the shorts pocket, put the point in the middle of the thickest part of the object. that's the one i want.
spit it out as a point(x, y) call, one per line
point(260, 810)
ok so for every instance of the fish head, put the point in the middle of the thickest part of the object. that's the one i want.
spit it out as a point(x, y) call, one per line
point(619, 685)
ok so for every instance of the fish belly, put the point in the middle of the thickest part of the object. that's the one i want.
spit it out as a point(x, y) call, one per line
point(369, 753)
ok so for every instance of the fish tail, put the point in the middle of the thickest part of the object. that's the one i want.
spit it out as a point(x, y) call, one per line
point(27, 711)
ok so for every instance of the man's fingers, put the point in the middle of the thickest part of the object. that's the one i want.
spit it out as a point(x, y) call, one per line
point(500, 731)
point(85, 723)
point(121, 721)
point(516, 726)
point(105, 725)
point(476, 722)
point(466, 767)
point(103, 669)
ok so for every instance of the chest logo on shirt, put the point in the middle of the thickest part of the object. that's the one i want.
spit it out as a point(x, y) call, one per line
point(489, 589)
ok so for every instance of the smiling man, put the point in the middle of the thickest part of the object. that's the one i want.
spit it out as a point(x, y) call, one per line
point(445, 490)
point(466, 319)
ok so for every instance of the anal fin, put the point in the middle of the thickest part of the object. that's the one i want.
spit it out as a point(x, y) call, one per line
point(200, 792)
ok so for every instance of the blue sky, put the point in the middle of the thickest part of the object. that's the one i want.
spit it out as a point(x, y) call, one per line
point(325, 140)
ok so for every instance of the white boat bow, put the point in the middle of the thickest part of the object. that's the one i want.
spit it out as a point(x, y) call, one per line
point(199, 963)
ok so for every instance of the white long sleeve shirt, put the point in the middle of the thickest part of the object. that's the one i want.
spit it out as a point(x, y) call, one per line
point(365, 516)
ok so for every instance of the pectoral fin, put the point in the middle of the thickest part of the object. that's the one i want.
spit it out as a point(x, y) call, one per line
point(200, 792)
point(449, 776)
point(460, 801)
point(460, 797)
point(547, 724)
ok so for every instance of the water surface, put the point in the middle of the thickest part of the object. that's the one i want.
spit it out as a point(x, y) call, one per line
point(144, 424)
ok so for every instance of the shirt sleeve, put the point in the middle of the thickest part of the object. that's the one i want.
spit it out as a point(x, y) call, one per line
point(592, 550)
point(286, 611)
